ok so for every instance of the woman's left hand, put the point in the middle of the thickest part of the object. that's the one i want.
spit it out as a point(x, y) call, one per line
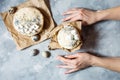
point(86, 16)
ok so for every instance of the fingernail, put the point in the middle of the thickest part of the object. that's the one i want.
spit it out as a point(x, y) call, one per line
point(57, 57)
point(62, 20)
point(66, 55)
point(66, 73)
point(63, 14)
point(57, 66)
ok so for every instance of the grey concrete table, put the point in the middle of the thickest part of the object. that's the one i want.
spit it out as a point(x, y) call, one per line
point(102, 38)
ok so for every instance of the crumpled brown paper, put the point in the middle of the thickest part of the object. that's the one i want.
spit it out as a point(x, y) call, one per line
point(23, 41)
point(54, 42)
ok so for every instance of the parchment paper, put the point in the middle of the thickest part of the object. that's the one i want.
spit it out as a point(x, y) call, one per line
point(23, 41)
point(54, 42)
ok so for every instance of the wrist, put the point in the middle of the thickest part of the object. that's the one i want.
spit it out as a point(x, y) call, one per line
point(95, 61)
point(102, 15)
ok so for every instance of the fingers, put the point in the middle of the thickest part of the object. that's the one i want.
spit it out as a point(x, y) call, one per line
point(76, 15)
point(76, 18)
point(69, 17)
point(69, 12)
point(63, 59)
point(64, 66)
point(71, 71)
point(75, 62)
point(73, 17)
point(71, 56)
point(73, 9)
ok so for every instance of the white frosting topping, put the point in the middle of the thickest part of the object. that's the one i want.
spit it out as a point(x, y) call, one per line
point(68, 36)
point(27, 21)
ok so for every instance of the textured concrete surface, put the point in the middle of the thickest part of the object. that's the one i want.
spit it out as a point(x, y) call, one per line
point(102, 38)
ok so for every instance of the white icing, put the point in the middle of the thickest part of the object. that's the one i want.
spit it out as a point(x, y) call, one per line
point(68, 36)
point(28, 19)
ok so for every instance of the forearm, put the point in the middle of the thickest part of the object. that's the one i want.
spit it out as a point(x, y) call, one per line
point(108, 63)
point(109, 14)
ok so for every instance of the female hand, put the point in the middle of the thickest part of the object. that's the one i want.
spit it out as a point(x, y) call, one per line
point(87, 16)
point(75, 62)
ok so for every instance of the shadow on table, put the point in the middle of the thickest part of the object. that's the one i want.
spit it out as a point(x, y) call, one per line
point(90, 38)
point(48, 5)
